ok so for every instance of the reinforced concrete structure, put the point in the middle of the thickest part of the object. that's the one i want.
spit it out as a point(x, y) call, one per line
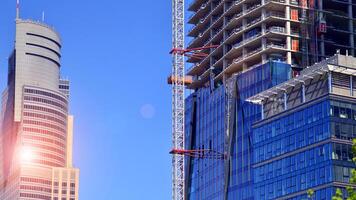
point(252, 32)
point(257, 45)
point(36, 131)
point(305, 136)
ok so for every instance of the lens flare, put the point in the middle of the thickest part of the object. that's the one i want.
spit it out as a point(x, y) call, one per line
point(27, 155)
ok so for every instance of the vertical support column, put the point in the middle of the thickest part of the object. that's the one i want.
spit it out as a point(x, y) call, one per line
point(211, 59)
point(244, 8)
point(263, 26)
point(225, 36)
point(264, 40)
point(351, 27)
point(321, 16)
point(303, 93)
point(288, 32)
point(330, 82)
point(244, 53)
point(351, 86)
point(244, 22)
point(285, 100)
point(264, 43)
point(262, 110)
point(264, 58)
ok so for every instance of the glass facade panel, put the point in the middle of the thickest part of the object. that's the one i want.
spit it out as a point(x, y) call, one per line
point(310, 155)
point(205, 117)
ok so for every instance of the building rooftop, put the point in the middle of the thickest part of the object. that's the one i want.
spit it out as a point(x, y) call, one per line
point(36, 22)
point(338, 63)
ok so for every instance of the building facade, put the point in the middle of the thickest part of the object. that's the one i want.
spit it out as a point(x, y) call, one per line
point(36, 131)
point(251, 39)
point(305, 136)
point(209, 120)
point(252, 32)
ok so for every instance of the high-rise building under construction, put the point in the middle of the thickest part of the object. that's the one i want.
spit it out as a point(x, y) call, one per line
point(36, 131)
point(257, 44)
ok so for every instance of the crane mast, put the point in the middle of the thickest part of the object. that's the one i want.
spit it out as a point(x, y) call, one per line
point(178, 99)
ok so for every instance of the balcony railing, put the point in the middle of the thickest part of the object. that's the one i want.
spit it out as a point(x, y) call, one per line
point(236, 30)
point(238, 59)
point(253, 22)
point(253, 7)
point(206, 17)
point(276, 14)
point(277, 1)
point(270, 45)
point(253, 52)
point(278, 29)
point(202, 7)
point(253, 37)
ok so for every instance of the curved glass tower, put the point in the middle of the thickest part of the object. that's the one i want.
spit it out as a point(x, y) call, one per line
point(36, 128)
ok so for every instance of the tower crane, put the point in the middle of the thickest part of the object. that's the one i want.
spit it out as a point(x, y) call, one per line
point(178, 80)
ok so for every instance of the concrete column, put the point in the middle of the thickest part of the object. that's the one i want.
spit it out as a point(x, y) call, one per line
point(263, 28)
point(244, 22)
point(351, 86)
point(330, 82)
point(264, 13)
point(244, 66)
point(264, 43)
point(351, 28)
point(244, 8)
point(264, 58)
point(288, 31)
point(244, 52)
point(225, 35)
point(303, 93)
point(285, 100)
point(322, 44)
point(212, 59)
point(289, 54)
point(262, 110)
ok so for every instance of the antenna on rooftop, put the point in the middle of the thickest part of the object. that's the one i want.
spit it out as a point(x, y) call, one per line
point(17, 9)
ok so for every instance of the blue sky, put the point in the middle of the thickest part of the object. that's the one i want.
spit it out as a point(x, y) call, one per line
point(115, 53)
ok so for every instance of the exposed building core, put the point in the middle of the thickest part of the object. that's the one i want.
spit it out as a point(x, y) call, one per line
point(250, 33)
point(37, 130)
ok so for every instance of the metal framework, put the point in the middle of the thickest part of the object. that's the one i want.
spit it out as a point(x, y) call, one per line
point(178, 81)
point(193, 52)
point(200, 153)
point(178, 99)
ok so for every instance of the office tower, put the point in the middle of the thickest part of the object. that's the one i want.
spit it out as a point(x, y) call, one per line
point(208, 122)
point(257, 45)
point(305, 136)
point(37, 131)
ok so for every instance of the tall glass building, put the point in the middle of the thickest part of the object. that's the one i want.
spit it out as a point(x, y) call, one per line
point(36, 128)
point(305, 136)
point(209, 119)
